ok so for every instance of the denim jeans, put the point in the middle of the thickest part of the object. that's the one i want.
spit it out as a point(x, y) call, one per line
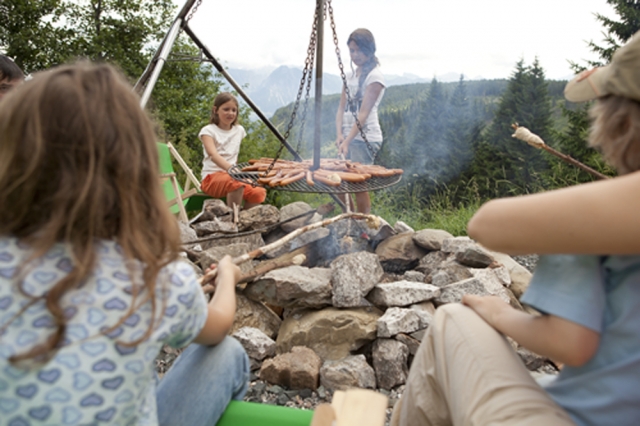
point(203, 379)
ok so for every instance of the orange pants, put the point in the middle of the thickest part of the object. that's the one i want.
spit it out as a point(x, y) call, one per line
point(219, 184)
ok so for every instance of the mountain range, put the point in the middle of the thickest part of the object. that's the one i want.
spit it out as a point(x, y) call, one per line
point(272, 88)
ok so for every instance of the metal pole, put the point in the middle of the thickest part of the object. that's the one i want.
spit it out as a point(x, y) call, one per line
point(162, 58)
point(244, 96)
point(142, 81)
point(318, 109)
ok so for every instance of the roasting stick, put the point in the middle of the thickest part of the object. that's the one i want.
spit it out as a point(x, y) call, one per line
point(536, 141)
point(261, 270)
point(373, 222)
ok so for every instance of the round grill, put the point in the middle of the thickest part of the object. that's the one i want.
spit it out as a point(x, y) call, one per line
point(374, 183)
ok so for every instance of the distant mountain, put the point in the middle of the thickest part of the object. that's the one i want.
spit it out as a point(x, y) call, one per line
point(271, 89)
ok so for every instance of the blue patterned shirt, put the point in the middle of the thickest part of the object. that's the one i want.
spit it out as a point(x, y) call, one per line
point(93, 378)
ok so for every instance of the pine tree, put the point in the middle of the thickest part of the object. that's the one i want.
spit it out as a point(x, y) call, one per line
point(573, 140)
point(618, 32)
point(525, 102)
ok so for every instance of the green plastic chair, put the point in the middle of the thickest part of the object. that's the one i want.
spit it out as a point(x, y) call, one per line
point(192, 200)
point(241, 413)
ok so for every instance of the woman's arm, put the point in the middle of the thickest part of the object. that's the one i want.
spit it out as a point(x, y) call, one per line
point(371, 94)
point(547, 335)
point(222, 307)
point(210, 147)
point(594, 218)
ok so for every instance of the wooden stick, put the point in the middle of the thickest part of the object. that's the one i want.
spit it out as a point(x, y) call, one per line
point(261, 270)
point(374, 222)
point(536, 141)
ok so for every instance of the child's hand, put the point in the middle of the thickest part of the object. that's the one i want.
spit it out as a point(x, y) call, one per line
point(488, 307)
point(227, 267)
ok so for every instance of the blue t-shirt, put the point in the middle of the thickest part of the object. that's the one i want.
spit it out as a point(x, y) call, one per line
point(92, 378)
point(601, 293)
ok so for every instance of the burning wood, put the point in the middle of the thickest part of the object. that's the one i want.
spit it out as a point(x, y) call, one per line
point(536, 141)
point(372, 221)
point(331, 172)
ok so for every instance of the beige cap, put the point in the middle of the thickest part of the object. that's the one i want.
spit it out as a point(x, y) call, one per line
point(621, 77)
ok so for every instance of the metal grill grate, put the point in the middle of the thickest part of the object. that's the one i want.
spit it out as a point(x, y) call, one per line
point(372, 184)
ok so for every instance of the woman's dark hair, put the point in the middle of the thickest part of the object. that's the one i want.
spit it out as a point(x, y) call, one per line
point(367, 45)
point(9, 69)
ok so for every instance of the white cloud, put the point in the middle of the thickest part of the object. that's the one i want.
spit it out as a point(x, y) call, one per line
point(478, 38)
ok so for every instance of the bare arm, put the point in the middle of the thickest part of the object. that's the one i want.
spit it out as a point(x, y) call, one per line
point(222, 307)
point(594, 218)
point(371, 94)
point(210, 147)
point(546, 335)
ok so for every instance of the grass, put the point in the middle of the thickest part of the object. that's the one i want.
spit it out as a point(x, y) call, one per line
point(437, 212)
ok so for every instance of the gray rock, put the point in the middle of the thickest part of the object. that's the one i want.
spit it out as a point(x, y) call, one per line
point(254, 241)
point(214, 226)
point(399, 253)
point(449, 271)
point(293, 286)
point(352, 277)
point(456, 244)
point(350, 372)
point(216, 207)
point(398, 320)
point(402, 293)
point(186, 232)
point(431, 239)
point(474, 257)
point(294, 209)
point(401, 227)
point(257, 344)
point(520, 276)
point(412, 343)
point(453, 293)
point(413, 276)
point(258, 217)
point(430, 262)
point(215, 254)
point(390, 362)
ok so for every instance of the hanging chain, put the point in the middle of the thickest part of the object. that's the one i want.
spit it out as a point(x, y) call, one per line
point(344, 82)
point(307, 74)
point(192, 12)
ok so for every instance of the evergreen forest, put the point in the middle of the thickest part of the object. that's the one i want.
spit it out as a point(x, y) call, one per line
point(453, 140)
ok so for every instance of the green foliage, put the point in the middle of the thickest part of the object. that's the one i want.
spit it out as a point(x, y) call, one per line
point(526, 102)
point(617, 31)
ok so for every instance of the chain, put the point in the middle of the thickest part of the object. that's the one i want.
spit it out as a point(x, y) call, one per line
point(307, 74)
point(193, 11)
point(344, 82)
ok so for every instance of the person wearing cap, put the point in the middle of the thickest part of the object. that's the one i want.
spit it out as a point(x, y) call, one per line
point(466, 372)
point(10, 75)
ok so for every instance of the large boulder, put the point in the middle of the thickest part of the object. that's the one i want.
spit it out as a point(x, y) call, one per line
point(293, 286)
point(332, 333)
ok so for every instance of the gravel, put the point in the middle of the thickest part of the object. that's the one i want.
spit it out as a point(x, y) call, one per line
point(529, 261)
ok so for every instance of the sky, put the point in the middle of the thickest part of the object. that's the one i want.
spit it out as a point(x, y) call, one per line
point(427, 38)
